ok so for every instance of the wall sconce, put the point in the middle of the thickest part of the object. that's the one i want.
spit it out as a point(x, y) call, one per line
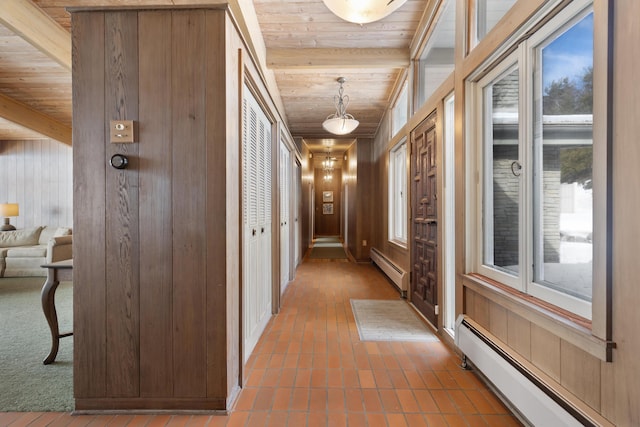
point(7, 210)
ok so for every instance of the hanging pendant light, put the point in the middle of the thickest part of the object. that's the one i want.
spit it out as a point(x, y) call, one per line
point(363, 11)
point(340, 123)
point(327, 166)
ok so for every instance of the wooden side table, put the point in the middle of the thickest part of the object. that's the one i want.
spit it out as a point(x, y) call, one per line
point(56, 272)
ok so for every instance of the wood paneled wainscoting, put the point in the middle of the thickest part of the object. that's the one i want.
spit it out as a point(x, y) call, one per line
point(157, 244)
point(38, 175)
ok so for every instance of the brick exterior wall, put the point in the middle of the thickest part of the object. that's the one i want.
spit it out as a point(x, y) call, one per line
point(505, 205)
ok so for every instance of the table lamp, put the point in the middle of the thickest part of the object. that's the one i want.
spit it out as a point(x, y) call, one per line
point(7, 210)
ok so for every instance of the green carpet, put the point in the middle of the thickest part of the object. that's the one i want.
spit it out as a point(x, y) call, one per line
point(327, 253)
point(26, 385)
point(327, 247)
point(327, 240)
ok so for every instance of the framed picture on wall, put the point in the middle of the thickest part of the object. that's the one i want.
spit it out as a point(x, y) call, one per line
point(327, 196)
point(327, 208)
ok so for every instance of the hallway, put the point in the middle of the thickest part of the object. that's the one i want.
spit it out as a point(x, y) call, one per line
point(311, 369)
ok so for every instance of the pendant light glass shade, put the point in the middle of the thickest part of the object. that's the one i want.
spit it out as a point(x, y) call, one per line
point(363, 11)
point(340, 123)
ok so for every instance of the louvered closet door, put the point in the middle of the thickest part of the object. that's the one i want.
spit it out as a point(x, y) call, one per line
point(297, 210)
point(284, 194)
point(256, 218)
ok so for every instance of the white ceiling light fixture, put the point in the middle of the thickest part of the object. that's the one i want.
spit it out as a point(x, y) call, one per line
point(340, 123)
point(363, 11)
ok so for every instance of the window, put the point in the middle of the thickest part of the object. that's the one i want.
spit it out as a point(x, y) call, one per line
point(486, 14)
point(398, 194)
point(400, 111)
point(437, 59)
point(535, 193)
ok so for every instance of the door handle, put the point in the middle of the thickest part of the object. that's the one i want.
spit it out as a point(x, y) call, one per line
point(515, 168)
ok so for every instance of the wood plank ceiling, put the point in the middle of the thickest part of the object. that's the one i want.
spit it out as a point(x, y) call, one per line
point(305, 46)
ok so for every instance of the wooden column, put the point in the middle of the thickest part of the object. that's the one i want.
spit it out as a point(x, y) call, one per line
point(151, 278)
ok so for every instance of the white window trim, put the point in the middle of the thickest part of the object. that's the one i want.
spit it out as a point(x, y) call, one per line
point(521, 58)
point(398, 210)
point(505, 67)
point(449, 238)
point(403, 97)
point(569, 16)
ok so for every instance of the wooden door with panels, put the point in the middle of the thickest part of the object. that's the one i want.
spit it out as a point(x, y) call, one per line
point(424, 219)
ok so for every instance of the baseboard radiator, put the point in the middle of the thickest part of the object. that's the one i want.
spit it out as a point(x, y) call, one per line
point(398, 276)
point(519, 382)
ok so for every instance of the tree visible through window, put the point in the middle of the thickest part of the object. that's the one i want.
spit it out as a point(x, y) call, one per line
point(537, 164)
point(563, 161)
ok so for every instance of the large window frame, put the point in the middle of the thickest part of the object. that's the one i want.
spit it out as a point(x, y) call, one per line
point(484, 15)
point(436, 60)
point(400, 110)
point(398, 192)
point(522, 57)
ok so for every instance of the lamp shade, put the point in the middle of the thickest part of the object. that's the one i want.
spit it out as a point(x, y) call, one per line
point(340, 125)
point(9, 209)
point(363, 11)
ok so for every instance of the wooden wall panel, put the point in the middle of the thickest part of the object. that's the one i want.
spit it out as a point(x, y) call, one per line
point(580, 373)
point(156, 268)
point(158, 330)
point(609, 392)
point(122, 242)
point(498, 324)
point(365, 201)
point(545, 351)
point(328, 225)
point(626, 205)
point(307, 194)
point(350, 181)
point(380, 181)
point(89, 163)
point(188, 188)
point(482, 312)
point(10, 152)
point(519, 334)
point(359, 175)
point(38, 175)
point(469, 306)
point(222, 219)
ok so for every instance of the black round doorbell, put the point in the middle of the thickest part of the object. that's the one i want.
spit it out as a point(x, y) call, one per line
point(119, 161)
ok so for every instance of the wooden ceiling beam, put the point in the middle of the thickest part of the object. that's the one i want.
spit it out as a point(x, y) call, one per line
point(31, 23)
point(317, 58)
point(30, 118)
